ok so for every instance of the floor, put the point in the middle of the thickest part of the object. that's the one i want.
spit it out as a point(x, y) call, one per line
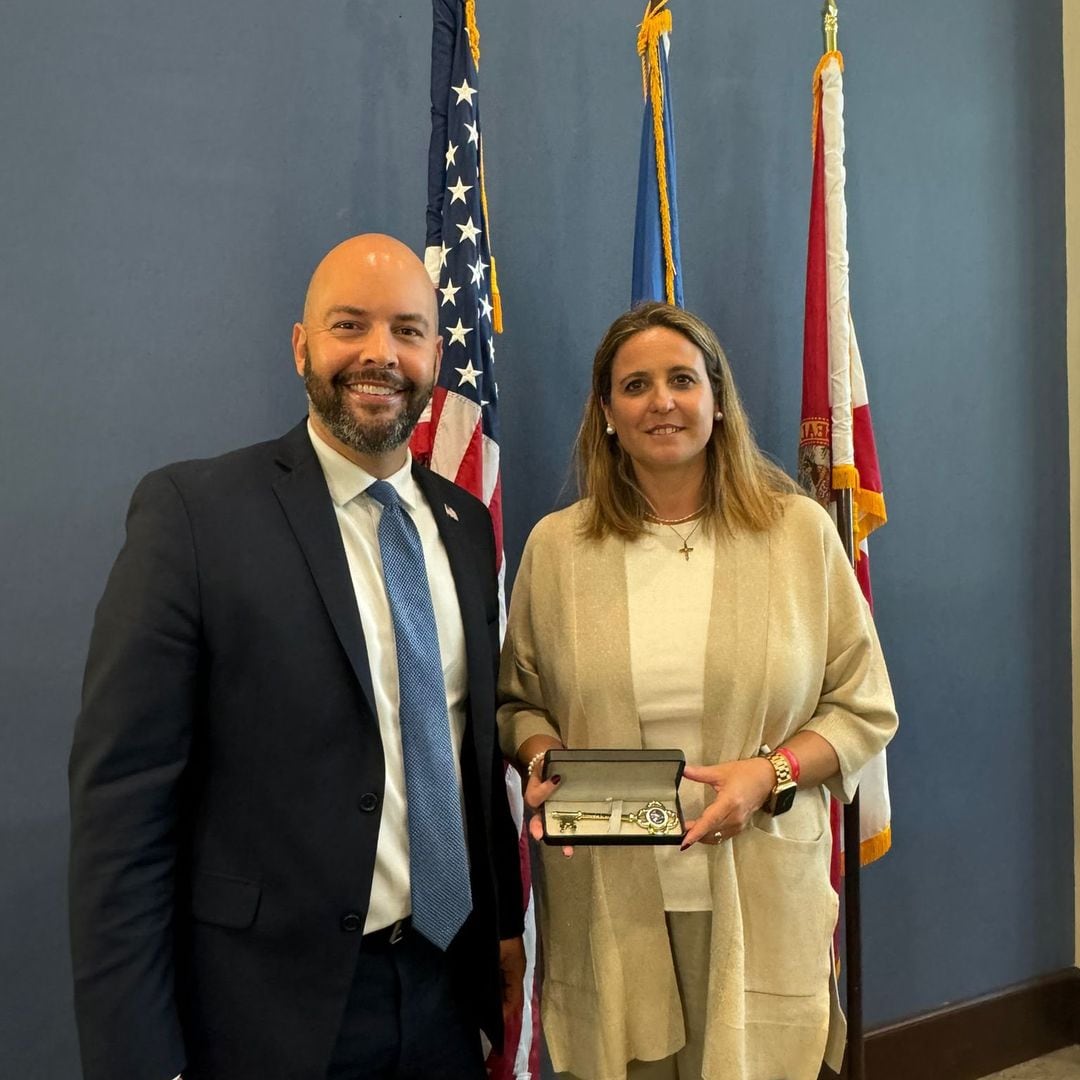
point(1061, 1065)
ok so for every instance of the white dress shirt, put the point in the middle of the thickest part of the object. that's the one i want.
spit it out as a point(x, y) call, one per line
point(358, 518)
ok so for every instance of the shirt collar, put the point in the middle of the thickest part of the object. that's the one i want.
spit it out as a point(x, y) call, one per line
point(346, 480)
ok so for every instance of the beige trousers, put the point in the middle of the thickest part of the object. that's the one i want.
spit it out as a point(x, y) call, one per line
point(689, 932)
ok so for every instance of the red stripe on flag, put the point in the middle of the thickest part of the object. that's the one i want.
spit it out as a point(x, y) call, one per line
point(815, 430)
point(422, 440)
point(470, 474)
point(866, 460)
point(495, 508)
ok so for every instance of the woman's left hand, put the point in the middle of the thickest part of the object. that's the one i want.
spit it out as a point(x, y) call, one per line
point(741, 790)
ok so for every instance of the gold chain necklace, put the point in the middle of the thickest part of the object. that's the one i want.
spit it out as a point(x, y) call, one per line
point(686, 549)
point(657, 519)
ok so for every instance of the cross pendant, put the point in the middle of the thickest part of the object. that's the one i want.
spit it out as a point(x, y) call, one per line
point(685, 550)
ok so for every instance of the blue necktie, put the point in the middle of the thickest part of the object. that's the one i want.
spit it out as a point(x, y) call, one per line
point(438, 861)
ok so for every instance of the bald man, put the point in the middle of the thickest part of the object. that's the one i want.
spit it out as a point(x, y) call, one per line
point(292, 664)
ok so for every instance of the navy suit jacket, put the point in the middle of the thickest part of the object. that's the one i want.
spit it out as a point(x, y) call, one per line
point(227, 773)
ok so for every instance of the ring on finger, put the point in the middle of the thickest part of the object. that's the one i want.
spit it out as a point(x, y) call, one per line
point(718, 836)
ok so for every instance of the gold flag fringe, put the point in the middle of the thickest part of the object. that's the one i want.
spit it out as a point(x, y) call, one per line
point(473, 32)
point(869, 505)
point(496, 296)
point(872, 848)
point(657, 21)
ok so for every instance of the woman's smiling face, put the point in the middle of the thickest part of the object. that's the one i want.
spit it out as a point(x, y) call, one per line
point(662, 405)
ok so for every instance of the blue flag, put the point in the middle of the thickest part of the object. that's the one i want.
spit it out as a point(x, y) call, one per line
point(657, 210)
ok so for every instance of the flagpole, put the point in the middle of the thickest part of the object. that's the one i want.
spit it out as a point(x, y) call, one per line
point(845, 523)
point(856, 1057)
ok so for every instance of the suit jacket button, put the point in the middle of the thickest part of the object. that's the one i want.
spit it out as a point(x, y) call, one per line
point(368, 801)
point(351, 922)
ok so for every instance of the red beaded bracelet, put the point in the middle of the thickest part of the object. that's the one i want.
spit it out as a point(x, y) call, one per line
point(792, 760)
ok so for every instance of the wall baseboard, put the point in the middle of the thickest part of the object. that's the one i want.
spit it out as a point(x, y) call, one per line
point(976, 1038)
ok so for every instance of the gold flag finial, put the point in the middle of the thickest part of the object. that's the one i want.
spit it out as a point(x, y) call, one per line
point(829, 19)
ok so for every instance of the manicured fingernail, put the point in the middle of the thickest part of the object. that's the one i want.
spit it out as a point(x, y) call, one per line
point(556, 779)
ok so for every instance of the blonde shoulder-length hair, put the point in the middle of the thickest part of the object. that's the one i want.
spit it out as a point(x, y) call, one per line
point(743, 488)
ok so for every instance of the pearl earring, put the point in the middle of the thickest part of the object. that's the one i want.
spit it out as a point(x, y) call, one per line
point(609, 430)
point(719, 415)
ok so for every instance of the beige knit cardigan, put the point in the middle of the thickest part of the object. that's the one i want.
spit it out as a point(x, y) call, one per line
point(791, 647)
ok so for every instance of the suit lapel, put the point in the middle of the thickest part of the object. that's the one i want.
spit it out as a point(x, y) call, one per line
point(302, 492)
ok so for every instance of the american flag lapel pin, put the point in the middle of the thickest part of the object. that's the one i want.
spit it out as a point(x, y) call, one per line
point(450, 511)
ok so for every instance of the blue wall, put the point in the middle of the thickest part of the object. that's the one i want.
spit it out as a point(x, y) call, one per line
point(172, 173)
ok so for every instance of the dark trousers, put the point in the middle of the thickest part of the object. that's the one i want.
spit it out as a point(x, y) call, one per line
point(404, 1020)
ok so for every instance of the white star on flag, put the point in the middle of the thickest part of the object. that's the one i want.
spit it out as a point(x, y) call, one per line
point(451, 150)
point(443, 252)
point(485, 307)
point(449, 291)
point(457, 333)
point(458, 191)
point(469, 232)
point(468, 374)
point(474, 133)
point(464, 92)
point(477, 269)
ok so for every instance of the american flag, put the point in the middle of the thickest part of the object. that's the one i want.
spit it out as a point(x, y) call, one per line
point(458, 435)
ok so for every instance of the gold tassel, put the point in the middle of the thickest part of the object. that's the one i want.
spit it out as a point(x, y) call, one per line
point(496, 298)
point(869, 505)
point(474, 47)
point(655, 22)
point(473, 32)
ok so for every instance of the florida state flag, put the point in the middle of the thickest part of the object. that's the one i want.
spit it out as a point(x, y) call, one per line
point(836, 445)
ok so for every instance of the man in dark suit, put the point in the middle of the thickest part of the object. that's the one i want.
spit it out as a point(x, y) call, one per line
point(292, 855)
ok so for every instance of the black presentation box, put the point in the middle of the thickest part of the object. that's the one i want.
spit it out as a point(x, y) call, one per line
point(614, 797)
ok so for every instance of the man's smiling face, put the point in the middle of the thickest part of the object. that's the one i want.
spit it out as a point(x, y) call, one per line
point(369, 347)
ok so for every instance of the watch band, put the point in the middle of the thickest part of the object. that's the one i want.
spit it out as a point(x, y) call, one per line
point(783, 793)
point(782, 768)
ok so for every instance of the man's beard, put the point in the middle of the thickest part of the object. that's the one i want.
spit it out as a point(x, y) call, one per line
point(329, 400)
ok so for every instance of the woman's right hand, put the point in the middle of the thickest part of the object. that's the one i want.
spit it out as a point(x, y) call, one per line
point(538, 791)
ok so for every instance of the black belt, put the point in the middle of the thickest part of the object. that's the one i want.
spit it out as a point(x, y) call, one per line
point(394, 934)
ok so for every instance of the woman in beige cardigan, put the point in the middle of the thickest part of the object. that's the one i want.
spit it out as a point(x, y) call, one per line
point(693, 599)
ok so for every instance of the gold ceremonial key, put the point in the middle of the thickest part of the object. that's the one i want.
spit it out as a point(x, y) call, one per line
point(654, 817)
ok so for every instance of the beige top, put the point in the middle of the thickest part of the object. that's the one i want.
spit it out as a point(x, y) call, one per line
point(668, 598)
point(791, 646)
